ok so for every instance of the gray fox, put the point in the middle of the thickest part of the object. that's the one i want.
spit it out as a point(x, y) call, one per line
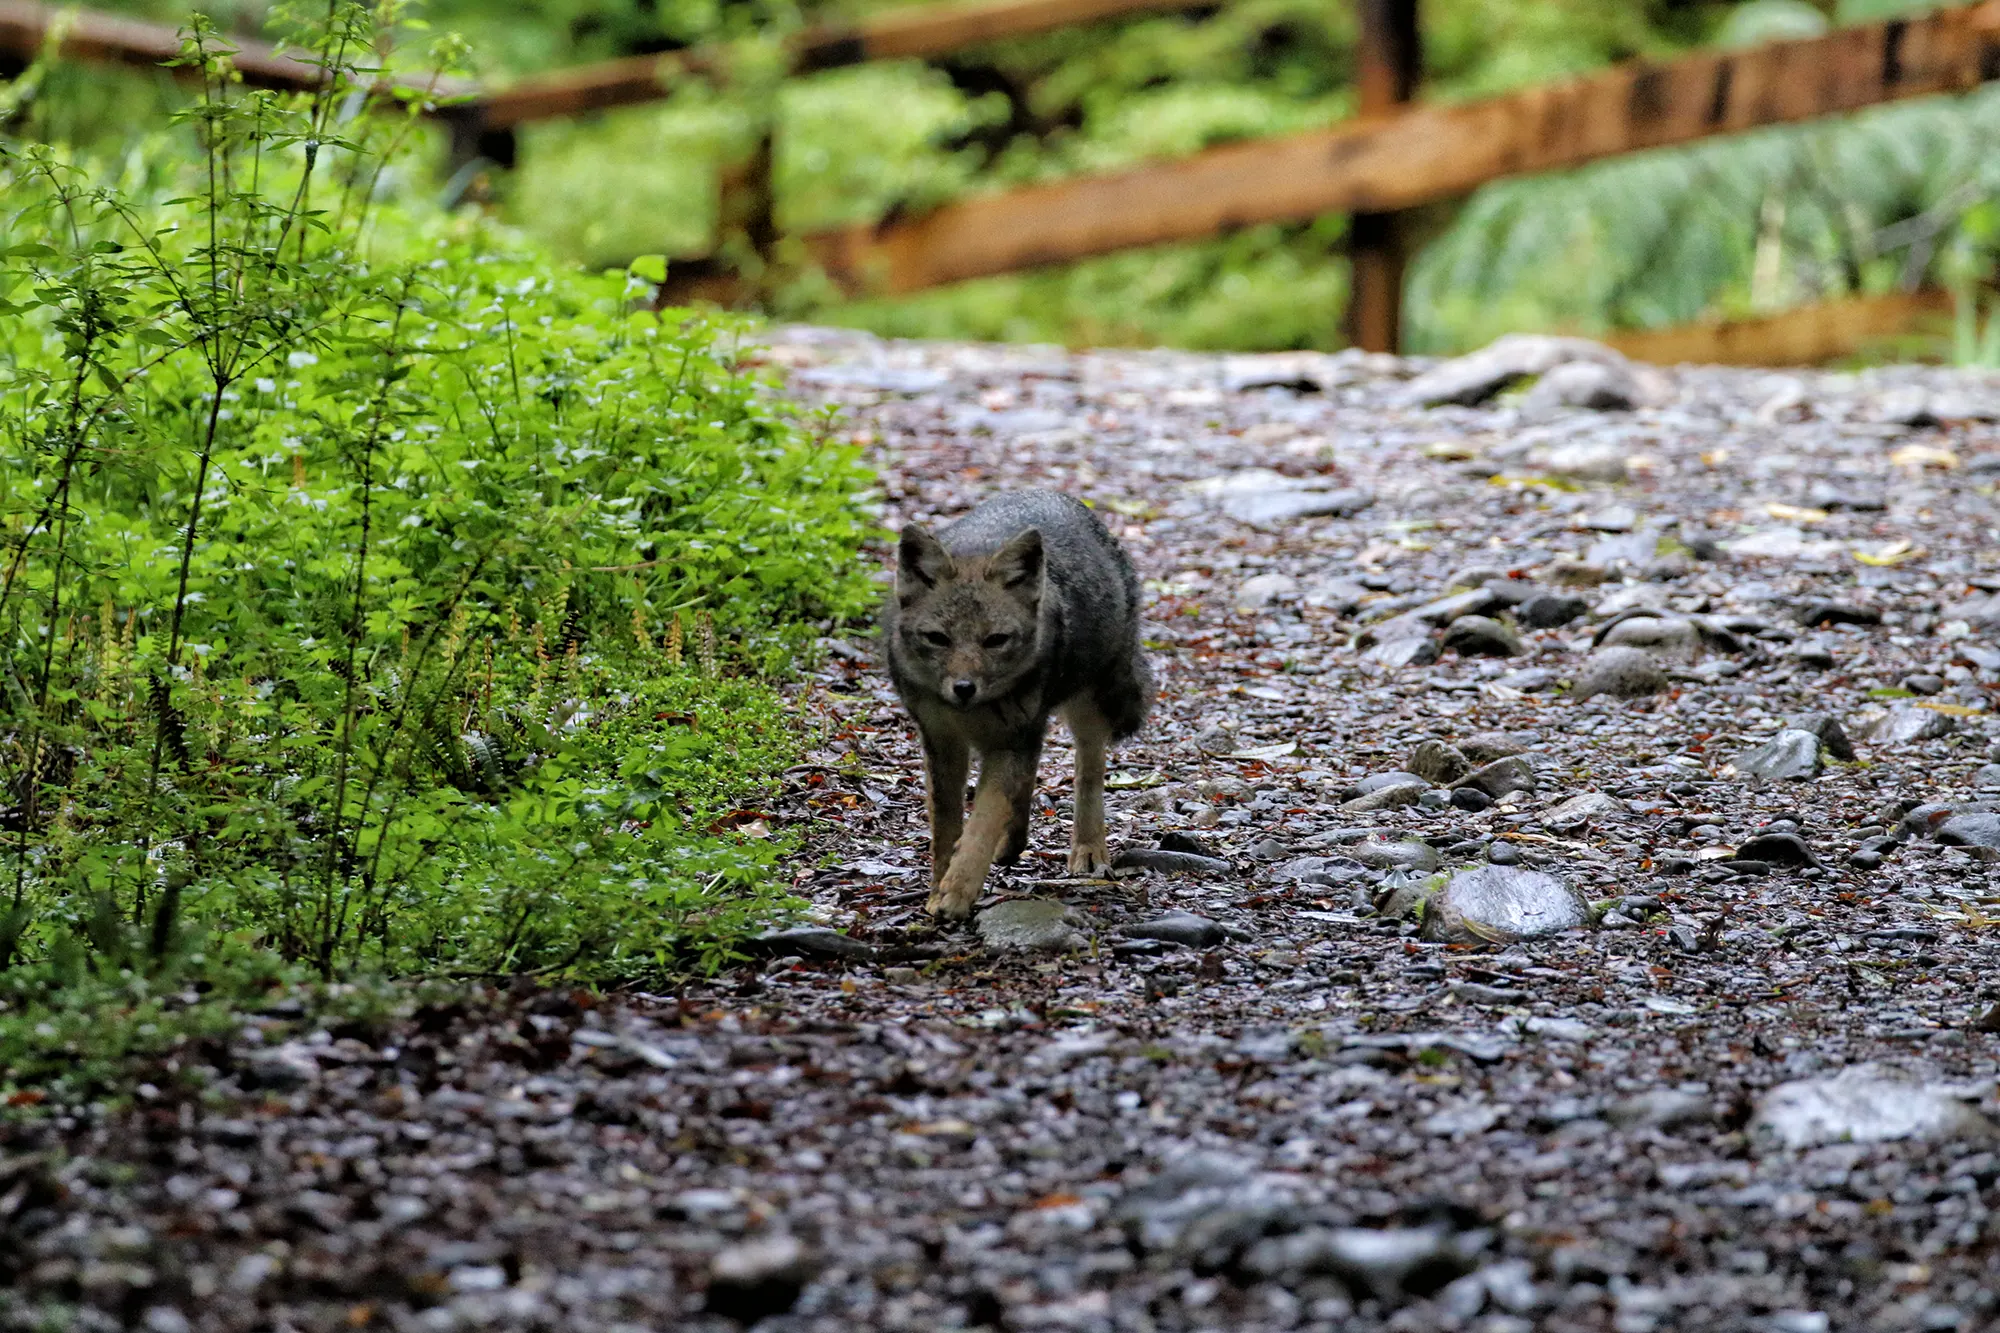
point(1025, 607)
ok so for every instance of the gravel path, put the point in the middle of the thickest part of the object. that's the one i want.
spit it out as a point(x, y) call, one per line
point(1751, 1088)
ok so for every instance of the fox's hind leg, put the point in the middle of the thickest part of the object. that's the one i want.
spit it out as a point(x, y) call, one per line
point(946, 760)
point(1088, 852)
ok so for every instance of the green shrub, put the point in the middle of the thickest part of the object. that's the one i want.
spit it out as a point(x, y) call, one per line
point(378, 593)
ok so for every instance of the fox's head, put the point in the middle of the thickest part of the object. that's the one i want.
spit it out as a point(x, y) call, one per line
point(967, 625)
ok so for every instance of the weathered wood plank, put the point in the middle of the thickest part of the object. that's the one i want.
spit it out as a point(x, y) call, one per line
point(1424, 154)
point(914, 33)
point(1809, 336)
point(111, 39)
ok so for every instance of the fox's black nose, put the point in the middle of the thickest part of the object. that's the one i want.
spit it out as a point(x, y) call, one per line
point(964, 689)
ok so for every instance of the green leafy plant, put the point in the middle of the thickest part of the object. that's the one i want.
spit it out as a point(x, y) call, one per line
point(375, 594)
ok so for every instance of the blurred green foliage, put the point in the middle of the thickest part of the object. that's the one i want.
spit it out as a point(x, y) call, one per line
point(1892, 197)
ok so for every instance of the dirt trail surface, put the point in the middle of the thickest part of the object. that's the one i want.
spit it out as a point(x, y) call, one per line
point(1499, 976)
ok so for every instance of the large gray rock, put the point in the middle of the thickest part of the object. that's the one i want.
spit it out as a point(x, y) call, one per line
point(1392, 1265)
point(1791, 754)
point(1483, 747)
point(1832, 736)
point(1274, 508)
point(1973, 829)
point(1447, 609)
point(1906, 724)
point(1622, 673)
point(1265, 589)
point(1184, 928)
point(1580, 810)
point(1597, 385)
point(1481, 636)
point(1391, 797)
point(1477, 376)
point(1031, 925)
point(1514, 773)
point(1420, 856)
point(1169, 861)
point(1439, 762)
point(1550, 610)
point(1862, 1104)
point(1666, 638)
point(1395, 654)
point(1499, 904)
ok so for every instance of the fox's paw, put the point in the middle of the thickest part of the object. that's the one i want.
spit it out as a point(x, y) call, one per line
point(952, 900)
point(1091, 861)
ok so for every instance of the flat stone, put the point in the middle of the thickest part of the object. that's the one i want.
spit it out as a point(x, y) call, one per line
point(1473, 378)
point(1186, 842)
point(1447, 609)
point(1978, 612)
point(1274, 508)
point(1591, 385)
point(1583, 460)
point(1528, 680)
point(1974, 829)
point(1438, 761)
point(1662, 1108)
point(1580, 810)
point(1169, 862)
point(1500, 903)
point(1184, 928)
point(1377, 781)
point(1483, 747)
point(1550, 610)
point(1791, 754)
point(1264, 590)
point(1622, 673)
point(1481, 636)
point(1818, 614)
point(1032, 925)
point(1906, 405)
point(1514, 773)
point(1907, 723)
point(1418, 856)
point(1669, 639)
point(1778, 849)
point(1395, 654)
point(1613, 518)
point(1391, 797)
point(809, 942)
point(1862, 1104)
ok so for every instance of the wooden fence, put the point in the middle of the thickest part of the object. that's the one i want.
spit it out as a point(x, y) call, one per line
point(1397, 154)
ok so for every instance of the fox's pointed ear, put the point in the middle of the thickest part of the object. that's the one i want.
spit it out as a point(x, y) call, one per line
point(1017, 566)
point(921, 560)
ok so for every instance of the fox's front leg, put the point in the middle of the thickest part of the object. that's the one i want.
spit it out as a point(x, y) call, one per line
point(946, 760)
point(1089, 853)
point(1006, 786)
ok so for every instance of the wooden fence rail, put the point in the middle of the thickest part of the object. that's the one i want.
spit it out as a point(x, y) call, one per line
point(1397, 155)
point(1422, 154)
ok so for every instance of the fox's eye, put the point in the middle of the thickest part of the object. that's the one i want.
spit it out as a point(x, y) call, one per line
point(938, 637)
point(996, 640)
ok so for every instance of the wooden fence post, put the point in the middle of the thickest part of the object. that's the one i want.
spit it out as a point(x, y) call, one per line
point(1389, 64)
point(746, 218)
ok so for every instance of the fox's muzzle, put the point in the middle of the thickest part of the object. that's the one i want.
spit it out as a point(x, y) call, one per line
point(964, 690)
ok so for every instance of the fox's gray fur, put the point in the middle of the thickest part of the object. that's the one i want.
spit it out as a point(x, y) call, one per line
point(1024, 608)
